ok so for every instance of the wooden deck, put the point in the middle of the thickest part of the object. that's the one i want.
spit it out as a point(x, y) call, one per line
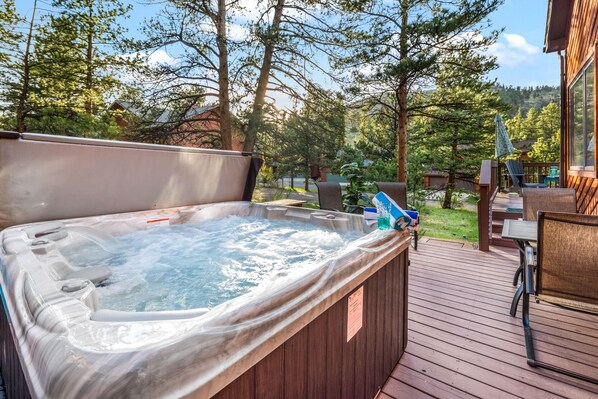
point(464, 344)
point(504, 201)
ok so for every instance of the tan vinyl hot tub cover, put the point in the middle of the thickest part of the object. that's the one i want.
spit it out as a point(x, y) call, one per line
point(46, 177)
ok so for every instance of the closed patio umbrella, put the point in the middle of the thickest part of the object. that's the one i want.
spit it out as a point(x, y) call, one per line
point(503, 145)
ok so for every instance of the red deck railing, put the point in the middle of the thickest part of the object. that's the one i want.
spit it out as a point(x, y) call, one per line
point(488, 190)
point(495, 176)
point(534, 172)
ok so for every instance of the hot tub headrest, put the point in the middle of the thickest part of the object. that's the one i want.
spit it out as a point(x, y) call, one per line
point(47, 177)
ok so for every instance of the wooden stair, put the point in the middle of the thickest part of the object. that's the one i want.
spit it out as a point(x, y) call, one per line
point(498, 218)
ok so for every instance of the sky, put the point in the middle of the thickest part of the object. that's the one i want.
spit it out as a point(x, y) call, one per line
point(518, 50)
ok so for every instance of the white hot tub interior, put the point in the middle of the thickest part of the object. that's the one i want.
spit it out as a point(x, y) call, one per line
point(197, 265)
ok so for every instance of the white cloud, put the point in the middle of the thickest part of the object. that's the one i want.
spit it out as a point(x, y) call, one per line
point(515, 51)
point(249, 10)
point(518, 42)
point(158, 57)
point(155, 58)
point(161, 57)
point(252, 10)
point(237, 32)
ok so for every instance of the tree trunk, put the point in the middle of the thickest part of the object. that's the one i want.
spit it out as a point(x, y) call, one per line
point(256, 116)
point(452, 172)
point(402, 133)
point(24, 92)
point(223, 79)
point(307, 176)
point(89, 66)
point(401, 94)
point(450, 189)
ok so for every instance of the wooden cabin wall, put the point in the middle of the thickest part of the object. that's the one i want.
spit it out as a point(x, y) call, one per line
point(582, 36)
point(581, 47)
point(586, 189)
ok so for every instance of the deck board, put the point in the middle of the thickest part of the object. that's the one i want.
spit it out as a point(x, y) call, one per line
point(464, 344)
point(503, 201)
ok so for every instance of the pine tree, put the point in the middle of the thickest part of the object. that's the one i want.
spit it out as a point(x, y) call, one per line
point(514, 127)
point(9, 19)
point(548, 123)
point(294, 38)
point(398, 48)
point(9, 53)
point(65, 66)
point(199, 29)
point(529, 125)
point(99, 42)
point(457, 132)
point(22, 63)
point(314, 134)
point(281, 48)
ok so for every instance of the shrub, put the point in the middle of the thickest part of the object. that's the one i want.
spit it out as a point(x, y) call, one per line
point(355, 198)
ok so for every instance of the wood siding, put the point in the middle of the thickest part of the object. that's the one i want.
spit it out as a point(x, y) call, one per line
point(15, 384)
point(586, 190)
point(318, 362)
point(583, 32)
point(581, 48)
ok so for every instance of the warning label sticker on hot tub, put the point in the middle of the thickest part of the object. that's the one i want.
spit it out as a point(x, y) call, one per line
point(354, 313)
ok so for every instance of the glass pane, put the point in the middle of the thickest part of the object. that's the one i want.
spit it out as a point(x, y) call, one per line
point(590, 116)
point(576, 142)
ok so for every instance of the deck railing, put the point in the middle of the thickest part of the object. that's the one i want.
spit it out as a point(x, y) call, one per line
point(534, 172)
point(488, 190)
point(495, 176)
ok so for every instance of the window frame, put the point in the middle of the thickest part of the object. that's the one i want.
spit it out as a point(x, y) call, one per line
point(581, 74)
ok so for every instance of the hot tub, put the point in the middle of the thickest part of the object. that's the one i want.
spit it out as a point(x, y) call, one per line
point(335, 326)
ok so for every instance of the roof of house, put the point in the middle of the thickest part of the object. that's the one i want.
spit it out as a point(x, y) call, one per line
point(165, 115)
point(524, 145)
point(558, 20)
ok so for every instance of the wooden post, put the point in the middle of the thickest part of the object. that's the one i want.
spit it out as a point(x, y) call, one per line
point(485, 207)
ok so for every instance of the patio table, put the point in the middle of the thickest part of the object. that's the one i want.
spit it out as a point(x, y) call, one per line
point(523, 232)
point(520, 230)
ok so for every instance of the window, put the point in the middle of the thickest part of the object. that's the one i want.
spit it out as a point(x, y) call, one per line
point(581, 120)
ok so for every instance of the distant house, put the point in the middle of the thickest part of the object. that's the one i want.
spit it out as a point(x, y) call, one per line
point(525, 146)
point(198, 127)
point(571, 27)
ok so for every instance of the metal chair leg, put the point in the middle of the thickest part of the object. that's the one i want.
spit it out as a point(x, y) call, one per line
point(518, 272)
point(527, 332)
point(515, 302)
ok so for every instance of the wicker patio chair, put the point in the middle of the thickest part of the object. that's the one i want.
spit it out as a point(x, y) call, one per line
point(566, 272)
point(544, 199)
point(398, 192)
point(515, 169)
point(330, 196)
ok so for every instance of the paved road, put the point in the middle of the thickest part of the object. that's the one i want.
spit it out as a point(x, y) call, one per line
point(298, 182)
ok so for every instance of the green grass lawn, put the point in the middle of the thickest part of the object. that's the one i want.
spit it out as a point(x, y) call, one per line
point(452, 224)
point(296, 189)
point(311, 205)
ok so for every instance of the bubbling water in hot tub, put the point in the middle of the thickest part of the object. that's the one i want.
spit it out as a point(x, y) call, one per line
point(202, 265)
